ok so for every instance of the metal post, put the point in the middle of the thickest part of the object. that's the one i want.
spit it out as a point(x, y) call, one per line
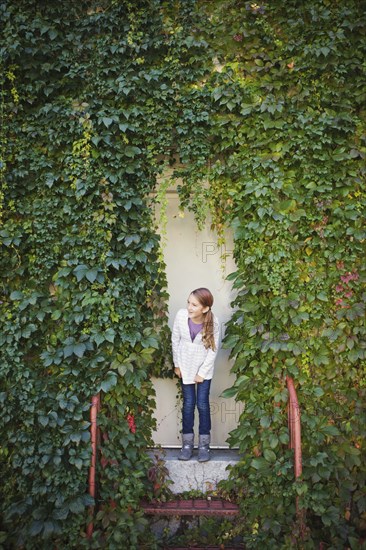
point(95, 406)
point(294, 423)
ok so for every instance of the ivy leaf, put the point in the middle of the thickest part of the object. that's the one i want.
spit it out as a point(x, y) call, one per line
point(56, 315)
point(64, 272)
point(75, 437)
point(68, 350)
point(53, 34)
point(230, 341)
point(50, 179)
point(269, 455)
point(107, 121)
point(36, 527)
point(286, 206)
point(150, 342)
point(77, 506)
point(110, 335)
point(61, 513)
point(273, 441)
point(28, 330)
point(109, 383)
point(122, 368)
point(79, 349)
point(259, 464)
point(324, 50)
point(353, 355)
point(88, 500)
point(99, 338)
point(265, 421)
point(330, 430)
point(330, 516)
point(43, 420)
point(131, 151)
point(80, 271)
point(49, 529)
point(16, 295)
point(229, 392)
point(132, 239)
point(297, 215)
point(44, 29)
point(91, 274)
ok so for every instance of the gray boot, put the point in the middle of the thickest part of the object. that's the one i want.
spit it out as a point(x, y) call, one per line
point(204, 448)
point(187, 447)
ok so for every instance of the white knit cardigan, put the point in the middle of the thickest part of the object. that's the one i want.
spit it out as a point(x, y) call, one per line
point(192, 357)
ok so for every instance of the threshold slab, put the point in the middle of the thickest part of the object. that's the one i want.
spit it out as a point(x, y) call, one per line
point(192, 475)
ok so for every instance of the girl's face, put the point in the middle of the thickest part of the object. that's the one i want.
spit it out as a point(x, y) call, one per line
point(196, 309)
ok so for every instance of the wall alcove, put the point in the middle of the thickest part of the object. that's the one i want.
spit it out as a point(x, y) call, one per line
point(193, 258)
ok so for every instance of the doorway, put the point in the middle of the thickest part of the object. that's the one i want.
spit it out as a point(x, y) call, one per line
point(194, 259)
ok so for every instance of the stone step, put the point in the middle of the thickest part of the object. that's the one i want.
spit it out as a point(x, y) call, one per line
point(198, 477)
point(192, 475)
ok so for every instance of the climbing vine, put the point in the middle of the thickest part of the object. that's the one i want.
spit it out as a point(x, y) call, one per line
point(83, 304)
point(263, 106)
point(285, 145)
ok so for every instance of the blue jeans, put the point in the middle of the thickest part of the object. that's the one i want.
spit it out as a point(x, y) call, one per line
point(203, 405)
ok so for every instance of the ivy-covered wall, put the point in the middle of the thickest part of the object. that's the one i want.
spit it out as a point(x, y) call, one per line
point(284, 145)
point(86, 95)
point(265, 103)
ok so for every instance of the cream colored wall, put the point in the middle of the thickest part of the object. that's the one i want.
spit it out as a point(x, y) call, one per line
point(193, 259)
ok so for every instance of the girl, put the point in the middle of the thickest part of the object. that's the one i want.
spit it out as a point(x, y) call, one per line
point(195, 340)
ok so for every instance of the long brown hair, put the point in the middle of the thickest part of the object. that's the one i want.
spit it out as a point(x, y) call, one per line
point(206, 299)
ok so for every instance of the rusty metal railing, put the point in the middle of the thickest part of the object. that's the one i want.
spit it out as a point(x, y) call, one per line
point(95, 406)
point(294, 426)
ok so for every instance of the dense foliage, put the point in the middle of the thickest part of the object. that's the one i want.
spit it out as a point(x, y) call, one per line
point(262, 103)
point(284, 146)
point(85, 87)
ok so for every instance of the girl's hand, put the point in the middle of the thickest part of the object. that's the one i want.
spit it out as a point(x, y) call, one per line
point(177, 372)
point(198, 379)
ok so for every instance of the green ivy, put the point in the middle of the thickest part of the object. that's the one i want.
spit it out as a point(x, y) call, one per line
point(263, 105)
point(89, 95)
point(283, 149)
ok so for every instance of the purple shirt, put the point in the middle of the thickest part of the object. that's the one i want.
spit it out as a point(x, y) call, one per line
point(194, 328)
